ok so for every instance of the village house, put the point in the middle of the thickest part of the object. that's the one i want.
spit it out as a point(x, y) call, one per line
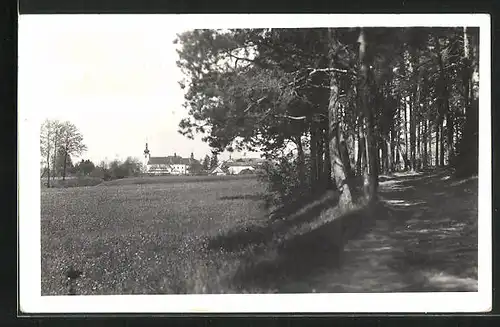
point(170, 165)
point(219, 171)
point(238, 166)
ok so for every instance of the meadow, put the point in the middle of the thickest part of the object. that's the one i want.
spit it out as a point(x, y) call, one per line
point(163, 235)
point(127, 237)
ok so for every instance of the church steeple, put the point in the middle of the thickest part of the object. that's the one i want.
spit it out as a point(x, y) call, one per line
point(146, 158)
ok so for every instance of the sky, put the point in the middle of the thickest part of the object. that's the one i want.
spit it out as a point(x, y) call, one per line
point(114, 77)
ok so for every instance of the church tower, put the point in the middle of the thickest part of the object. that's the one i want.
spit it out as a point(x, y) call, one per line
point(146, 158)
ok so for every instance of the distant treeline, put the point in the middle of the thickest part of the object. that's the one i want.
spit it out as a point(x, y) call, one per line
point(86, 173)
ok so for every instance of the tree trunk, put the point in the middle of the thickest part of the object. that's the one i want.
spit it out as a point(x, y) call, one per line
point(419, 152)
point(338, 166)
point(412, 136)
point(467, 161)
point(407, 147)
point(392, 135)
point(314, 156)
point(449, 124)
point(424, 144)
point(370, 137)
point(380, 156)
point(385, 157)
point(54, 165)
point(339, 174)
point(441, 145)
point(429, 138)
point(444, 105)
point(398, 138)
point(390, 155)
point(415, 113)
point(351, 144)
point(364, 165)
point(359, 154)
point(64, 167)
point(437, 142)
point(346, 160)
point(406, 160)
point(327, 163)
point(466, 73)
point(449, 115)
point(445, 102)
point(301, 158)
point(319, 160)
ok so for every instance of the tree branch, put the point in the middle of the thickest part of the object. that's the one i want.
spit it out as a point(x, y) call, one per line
point(318, 86)
point(329, 70)
point(239, 58)
point(294, 117)
point(254, 103)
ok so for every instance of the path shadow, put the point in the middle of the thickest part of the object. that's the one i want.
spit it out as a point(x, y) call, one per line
point(301, 257)
point(280, 221)
point(428, 189)
point(422, 237)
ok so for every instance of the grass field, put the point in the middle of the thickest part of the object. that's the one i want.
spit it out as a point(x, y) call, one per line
point(139, 238)
point(215, 235)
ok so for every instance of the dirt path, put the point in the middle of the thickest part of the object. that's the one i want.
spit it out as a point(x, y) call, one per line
point(427, 243)
point(423, 237)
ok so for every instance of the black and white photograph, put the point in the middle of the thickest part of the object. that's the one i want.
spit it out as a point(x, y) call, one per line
point(255, 163)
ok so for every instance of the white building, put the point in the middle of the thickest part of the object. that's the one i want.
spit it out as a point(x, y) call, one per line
point(171, 165)
point(237, 167)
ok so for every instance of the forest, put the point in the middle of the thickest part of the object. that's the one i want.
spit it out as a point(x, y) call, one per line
point(335, 108)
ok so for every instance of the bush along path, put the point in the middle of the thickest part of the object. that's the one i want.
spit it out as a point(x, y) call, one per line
point(422, 237)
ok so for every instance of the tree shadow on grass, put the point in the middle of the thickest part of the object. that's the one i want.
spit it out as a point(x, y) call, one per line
point(282, 220)
point(302, 256)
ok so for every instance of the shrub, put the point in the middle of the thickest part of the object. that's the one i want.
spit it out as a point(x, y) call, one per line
point(98, 172)
point(284, 184)
point(246, 172)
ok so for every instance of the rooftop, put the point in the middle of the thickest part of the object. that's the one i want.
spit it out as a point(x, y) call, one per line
point(244, 162)
point(171, 160)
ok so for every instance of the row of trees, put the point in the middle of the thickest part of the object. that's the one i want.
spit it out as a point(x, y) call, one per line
point(350, 103)
point(84, 168)
point(117, 169)
point(210, 162)
point(58, 142)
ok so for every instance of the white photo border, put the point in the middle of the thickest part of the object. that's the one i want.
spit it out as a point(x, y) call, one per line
point(29, 119)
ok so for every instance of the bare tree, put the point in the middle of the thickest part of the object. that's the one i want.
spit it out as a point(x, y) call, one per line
point(56, 140)
point(46, 146)
point(47, 150)
point(71, 141)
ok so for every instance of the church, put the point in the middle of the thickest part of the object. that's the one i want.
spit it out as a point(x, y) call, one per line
point(170, 165)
